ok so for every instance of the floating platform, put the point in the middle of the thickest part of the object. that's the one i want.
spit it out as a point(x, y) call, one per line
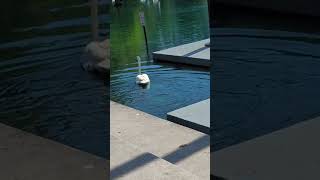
point(195, 116)
point(196, 53)
point(289, 153)
point(146, 147)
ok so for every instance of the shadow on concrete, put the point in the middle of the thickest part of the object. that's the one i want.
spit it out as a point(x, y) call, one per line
point(135, 163)
point(183, 152)
point(188, 150)
point(196, 51)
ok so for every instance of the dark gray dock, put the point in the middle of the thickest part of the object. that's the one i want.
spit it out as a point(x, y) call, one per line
point(195, 116)
point(195, 53)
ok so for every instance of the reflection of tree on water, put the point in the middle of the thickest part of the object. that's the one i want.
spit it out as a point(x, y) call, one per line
point(171, 25)
point(41, 41)
point(155, 3)
point(176, 23)
point(117, 3)
point(17, 15)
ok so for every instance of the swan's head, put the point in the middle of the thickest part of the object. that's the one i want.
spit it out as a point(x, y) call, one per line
point(138, 59)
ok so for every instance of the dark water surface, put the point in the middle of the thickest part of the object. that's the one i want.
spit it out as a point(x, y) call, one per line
point(168, 23)
point(43, 89)
point(265, 75)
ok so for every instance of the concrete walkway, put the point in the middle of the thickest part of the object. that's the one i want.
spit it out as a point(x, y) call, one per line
point(195, 53)
point(24, 156)
point(129, 162)
point(142, 145)
point(290, 153)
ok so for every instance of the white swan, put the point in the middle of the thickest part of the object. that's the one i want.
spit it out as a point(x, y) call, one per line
point(142, 79)
point(97, 54)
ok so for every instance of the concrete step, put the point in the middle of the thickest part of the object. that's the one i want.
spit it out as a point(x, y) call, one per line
point(129, 162)
point(179, 145)
point(195, 116)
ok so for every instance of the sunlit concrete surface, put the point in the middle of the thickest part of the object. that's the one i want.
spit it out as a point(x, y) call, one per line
point(129, 162)
point(196, 53)
point(180, 146)
point(195, 116)
point(290, 153)
point(24, 156)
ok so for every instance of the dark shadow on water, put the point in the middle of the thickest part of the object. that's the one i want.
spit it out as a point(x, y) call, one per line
point(184, 66)
point(213, 177)
point(145, 86)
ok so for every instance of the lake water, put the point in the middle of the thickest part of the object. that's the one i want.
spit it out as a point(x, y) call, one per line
point(168, 24)
point(43, 89)
point(265, 74)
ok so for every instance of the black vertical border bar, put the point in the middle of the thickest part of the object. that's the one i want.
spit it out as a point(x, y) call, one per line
point(211, 82)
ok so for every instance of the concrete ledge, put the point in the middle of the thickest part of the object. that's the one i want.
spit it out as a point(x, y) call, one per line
point(29, 157)
point(196, 53)
point(195, 116)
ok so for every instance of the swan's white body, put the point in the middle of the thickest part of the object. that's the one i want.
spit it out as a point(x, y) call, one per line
point(141, 79)
point(98, 56)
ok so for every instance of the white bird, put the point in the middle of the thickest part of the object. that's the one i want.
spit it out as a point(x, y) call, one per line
point(97, 54)
point(142, 79)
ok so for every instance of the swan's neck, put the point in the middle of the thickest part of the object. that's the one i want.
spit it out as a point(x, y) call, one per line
point(139, 64)
point(94, 20)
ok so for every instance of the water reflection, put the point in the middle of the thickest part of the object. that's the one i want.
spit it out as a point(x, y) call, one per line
point(173, 23)
point(265, 74)
point(43, 88)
